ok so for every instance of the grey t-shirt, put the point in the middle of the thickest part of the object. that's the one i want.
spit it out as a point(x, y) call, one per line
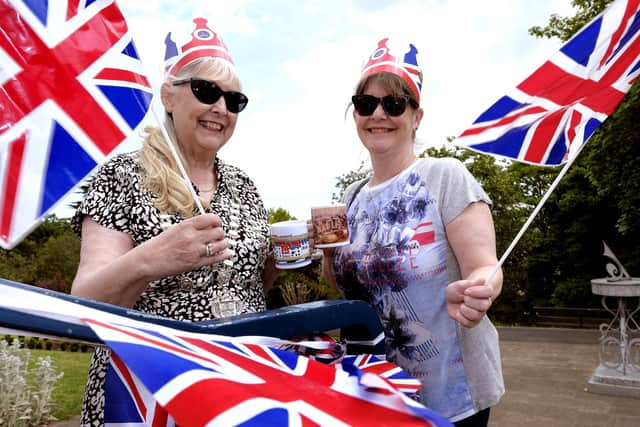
point(400, 261)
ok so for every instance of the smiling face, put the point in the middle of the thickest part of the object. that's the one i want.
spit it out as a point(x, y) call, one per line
point(380, 133)
point(201, 129)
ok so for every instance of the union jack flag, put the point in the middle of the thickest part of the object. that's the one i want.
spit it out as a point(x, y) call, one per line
point(129, 402)
point(553, 112)
point(360, 364)
point(72, 89)
point(214, 380)
point(380, 366)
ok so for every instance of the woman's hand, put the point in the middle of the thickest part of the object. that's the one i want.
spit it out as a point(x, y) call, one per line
point(194, 243)
point(468, 301)
point(112, 269)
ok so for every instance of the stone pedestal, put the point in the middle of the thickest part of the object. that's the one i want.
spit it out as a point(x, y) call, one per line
point(619, 370)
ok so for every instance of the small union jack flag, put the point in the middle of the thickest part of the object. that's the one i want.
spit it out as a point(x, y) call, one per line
point(380, 366)
point(71, 90)
point(214, 380)
point(553, 112)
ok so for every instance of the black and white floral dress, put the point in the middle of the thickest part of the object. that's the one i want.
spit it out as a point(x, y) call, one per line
point(117, 200)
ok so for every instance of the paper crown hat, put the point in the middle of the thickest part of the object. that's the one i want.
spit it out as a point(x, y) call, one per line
point(400, 60)
point(204, 43)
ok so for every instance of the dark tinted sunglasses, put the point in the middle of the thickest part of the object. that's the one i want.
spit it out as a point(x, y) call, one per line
point(208, 93)
point(393, 105)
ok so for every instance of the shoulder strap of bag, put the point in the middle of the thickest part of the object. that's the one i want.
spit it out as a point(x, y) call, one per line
point(356, 191)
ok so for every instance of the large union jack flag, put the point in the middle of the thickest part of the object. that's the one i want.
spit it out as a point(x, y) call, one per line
point(552, 113)
point(128, 401)
point(212, 380)
point(72, 89)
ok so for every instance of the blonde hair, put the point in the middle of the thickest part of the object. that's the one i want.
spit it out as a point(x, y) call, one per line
point(161, 174)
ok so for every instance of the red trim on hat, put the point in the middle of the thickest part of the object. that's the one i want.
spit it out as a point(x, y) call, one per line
point(396, 69)
point(199, 53)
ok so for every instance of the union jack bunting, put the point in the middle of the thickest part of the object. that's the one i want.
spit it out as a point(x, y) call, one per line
point(72, 89)
point(214, 380)
point(363, 363)
point(378, 365)
point(554, 111)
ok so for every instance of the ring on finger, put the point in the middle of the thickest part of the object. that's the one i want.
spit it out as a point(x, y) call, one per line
point(209, 249)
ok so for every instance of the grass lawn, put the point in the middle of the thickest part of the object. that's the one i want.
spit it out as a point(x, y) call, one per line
point(69, 391)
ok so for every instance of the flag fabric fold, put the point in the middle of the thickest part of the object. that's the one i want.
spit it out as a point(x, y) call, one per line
point(72, 88)
point(200, 380)
point(160, 372)
point(554, 111)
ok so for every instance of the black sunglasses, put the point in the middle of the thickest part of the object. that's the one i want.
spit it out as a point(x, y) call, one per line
point(208, 92)
point(393, 105)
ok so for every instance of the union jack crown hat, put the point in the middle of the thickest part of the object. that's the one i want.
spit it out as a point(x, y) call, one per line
point(399, 59)
point(204, 42)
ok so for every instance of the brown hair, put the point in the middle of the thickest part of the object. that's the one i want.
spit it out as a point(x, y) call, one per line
point(389, 81)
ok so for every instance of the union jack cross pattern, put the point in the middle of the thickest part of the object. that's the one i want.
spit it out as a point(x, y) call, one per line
point(554, 111)
point(195, 380)
point(71, 90)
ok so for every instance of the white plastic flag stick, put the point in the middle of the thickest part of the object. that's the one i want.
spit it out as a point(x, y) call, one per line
point(187, 180)
point(554, 184)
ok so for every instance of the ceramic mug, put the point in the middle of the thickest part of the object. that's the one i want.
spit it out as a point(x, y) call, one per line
point(330, 227)
point(290, 241)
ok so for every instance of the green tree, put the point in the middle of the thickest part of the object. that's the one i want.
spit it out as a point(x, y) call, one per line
point(47, 257)
point(597, 200)
point(564, 28)
point(57, 262)
point(278, 214)
point(343, 181)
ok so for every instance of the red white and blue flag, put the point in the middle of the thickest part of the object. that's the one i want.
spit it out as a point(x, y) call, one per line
point(213, 380)
point(71, 90)
point(380, 366)
point(553, 112)
point(128, 401)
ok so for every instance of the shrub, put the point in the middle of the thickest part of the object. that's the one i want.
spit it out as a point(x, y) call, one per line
point(25, 386)
point(302, 285)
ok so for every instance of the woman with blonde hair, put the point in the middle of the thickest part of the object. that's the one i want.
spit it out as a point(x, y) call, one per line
point(145, 242)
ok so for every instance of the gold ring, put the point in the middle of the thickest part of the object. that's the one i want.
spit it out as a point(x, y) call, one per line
point(209, 249)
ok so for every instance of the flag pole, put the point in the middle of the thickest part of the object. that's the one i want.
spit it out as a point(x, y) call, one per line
point(535, 212)
point(227, 262)
point(176, 157)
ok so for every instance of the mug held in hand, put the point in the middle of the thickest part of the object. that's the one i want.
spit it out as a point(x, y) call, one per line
point(330, 226)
